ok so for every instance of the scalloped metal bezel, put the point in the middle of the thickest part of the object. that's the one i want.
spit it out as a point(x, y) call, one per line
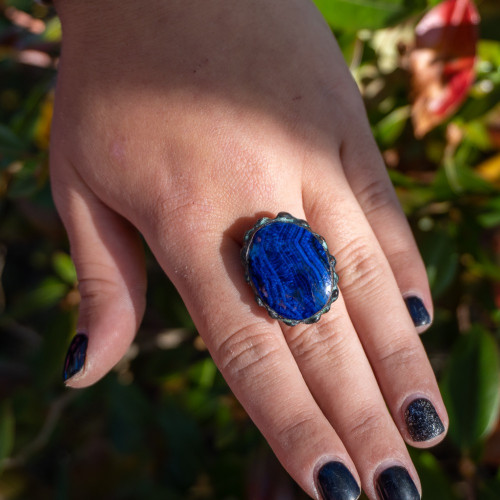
point(247, 242)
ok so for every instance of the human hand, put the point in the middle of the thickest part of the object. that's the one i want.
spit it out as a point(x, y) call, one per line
point(187, 121)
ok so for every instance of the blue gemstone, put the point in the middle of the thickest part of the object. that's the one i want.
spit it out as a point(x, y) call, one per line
point(290, 270)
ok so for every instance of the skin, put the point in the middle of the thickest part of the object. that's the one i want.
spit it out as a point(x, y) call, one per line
point(187, 121)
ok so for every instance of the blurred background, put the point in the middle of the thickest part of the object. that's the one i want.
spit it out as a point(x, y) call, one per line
point(163, 423)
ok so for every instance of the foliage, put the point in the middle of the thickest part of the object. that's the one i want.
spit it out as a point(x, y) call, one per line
point(163, 424)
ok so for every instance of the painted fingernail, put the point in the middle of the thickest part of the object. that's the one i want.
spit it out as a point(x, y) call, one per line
point(422, 421)
point(417, 311)
point(75, 359)
point(395, 483)
point(337, 483)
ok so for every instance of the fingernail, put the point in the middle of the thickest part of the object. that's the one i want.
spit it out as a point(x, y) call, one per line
point(395, 483)
point(75, 359)
point(422, 420)
point(337, 483)
point(417, 311)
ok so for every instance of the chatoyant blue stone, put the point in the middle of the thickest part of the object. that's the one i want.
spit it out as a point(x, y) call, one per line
point(290, 270)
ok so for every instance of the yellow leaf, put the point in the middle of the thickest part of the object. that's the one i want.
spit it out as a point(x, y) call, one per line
point(489, 170)
point(42, 127)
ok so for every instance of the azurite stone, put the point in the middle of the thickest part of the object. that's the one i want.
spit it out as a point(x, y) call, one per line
point(290, 270)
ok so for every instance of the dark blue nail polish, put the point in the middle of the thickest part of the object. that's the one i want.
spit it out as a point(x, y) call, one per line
point(422, 420)
point(417, 311)
point(337, 483)
point(395, 483)
point(75, 359)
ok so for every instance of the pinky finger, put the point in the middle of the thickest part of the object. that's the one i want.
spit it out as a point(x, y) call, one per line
point(367, 176)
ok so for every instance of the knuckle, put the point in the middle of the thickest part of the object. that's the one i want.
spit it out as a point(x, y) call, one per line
point(320, 341)
point(401, 254)
point(98, 283)
point(96, 279)
point(174, 219)
point(375, 196)
point(361, 269)
point(248, 352)
point(405, 259)
point(400, 353)
point(297, 430)
point(366, 423)
point(187, 208)
point(255, 186)
point(92, 290)
point(253, 176)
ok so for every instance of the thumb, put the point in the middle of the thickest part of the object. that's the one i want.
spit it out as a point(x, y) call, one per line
point(109, 261)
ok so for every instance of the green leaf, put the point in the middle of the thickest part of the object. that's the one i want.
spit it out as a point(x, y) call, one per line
point(6, 431)
point(491, 215)
point(208, 373)
point(489, 220)
point(489, 50)
point(441, 260)
point(353, 15)
point(388, 130)
point(470, 388)
point(435, 483)
point(482, 266)
point(455, 179)
point(8, 139)
point(400, 179)
point(64, 267)
point(52, 31)
point(347, 42)
point(46, 295)
point(476, 132)
point(477, 107)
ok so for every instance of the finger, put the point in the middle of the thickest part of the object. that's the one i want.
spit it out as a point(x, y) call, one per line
point(252, 354)
point(331, 359)
point(378, 312)
point(108, 257)
point(367, 176)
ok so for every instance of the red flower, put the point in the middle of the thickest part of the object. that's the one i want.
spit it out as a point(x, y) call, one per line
point(442, 62)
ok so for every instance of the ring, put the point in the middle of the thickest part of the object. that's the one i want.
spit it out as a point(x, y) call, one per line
point(289, 269)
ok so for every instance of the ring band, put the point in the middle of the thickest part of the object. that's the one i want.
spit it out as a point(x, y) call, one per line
point(289, 269)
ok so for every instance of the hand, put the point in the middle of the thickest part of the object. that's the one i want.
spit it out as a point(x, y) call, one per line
point(187, 121)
